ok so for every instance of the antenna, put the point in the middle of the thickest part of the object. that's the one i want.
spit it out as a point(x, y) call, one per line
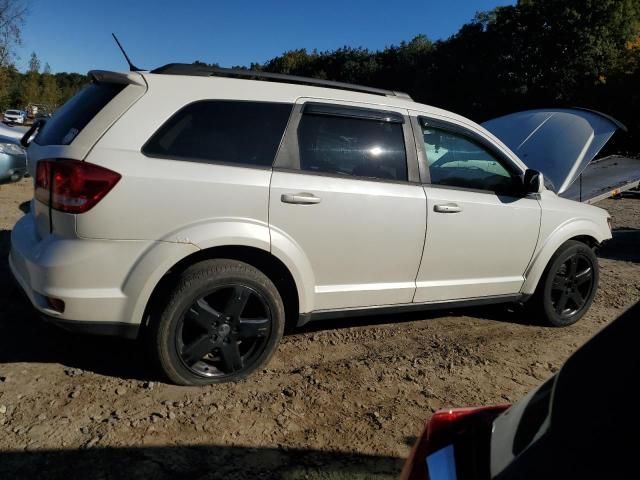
point(132, 67)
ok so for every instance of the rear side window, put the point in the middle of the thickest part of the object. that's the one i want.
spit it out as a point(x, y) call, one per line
point(212, 131)
point(73, 116)
point(352, 147)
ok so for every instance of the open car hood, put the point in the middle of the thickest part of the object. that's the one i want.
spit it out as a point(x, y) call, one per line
point(560, 143)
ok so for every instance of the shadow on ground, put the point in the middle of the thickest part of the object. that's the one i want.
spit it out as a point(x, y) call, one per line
point(24, 337)
point(625, 246)
point(201, 462)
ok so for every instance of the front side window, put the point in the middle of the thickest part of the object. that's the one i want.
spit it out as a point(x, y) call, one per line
point(354, 147)
point(212, 131)
point(456, 160)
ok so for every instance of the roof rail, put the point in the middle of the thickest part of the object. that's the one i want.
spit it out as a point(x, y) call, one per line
point(208, 71)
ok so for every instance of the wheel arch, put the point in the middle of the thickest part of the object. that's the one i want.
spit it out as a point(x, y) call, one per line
point(263, 260)
point(584, 231)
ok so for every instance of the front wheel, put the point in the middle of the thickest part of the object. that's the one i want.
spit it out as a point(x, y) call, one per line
point(568, 285)
point(223, 321)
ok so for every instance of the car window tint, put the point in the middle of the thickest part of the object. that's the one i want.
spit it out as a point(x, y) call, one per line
point(69, 120)
point(458, 161)
point(245, 133)
point(352, 147)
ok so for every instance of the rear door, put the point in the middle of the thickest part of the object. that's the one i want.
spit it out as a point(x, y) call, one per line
point(481, 231)
point(345, 191)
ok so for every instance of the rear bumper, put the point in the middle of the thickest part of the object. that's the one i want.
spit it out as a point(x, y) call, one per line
point(87, 275)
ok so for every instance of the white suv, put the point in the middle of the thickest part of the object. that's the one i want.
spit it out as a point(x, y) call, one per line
point(210, 209)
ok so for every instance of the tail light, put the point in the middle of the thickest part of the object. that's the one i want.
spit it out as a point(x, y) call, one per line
point(72, 186)
point(462, 428)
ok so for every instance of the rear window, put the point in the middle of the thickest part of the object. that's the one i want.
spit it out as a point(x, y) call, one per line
point(220, 131)
point(69, 120)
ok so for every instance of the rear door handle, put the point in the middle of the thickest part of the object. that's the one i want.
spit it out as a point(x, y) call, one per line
point(300, 198)
point(448, 208)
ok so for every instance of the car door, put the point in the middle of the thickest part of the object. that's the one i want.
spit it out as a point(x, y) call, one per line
point(482, 231)
point(345, 192)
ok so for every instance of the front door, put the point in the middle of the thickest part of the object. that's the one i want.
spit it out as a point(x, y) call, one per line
point(481, 231)
point(344, 196)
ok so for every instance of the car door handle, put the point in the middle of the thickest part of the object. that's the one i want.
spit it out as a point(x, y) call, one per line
point(300, 198)
point(448, 208)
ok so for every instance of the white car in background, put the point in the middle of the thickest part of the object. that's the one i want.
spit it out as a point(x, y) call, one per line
point(14, 117)
point(210, 209)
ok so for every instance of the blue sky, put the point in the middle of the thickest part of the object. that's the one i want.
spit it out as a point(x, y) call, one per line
point(74, 35)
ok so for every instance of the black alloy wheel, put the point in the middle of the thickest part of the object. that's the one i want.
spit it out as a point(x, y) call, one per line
point(568, 285)
point(224, 331)
point(572, 285)
point(223, 320)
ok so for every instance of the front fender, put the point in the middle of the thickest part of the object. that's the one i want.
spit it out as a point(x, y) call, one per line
point(570, 229)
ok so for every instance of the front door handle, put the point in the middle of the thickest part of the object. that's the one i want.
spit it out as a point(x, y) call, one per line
point(448, 208)
point(300, 198)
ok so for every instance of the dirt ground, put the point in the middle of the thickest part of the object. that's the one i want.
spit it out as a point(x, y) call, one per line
point(343, 399)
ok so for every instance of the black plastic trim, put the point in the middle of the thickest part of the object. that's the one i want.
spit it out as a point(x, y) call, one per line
point(319, 315)
point(314, 108)
point(486, 192)
point(208, 71)
point(114, 329)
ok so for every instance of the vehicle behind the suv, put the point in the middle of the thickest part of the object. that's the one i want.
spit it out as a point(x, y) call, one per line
point(210, 209)
point(14, 117)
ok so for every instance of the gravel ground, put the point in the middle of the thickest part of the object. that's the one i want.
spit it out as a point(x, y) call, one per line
point(343, 399)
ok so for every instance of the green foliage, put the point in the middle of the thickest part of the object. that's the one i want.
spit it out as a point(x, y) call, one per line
point(538, 53)
point(17, 90)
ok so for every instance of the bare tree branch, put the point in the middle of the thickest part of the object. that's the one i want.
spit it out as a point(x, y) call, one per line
point(12, 16)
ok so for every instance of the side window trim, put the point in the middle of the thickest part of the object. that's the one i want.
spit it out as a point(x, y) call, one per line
point(316, 108)
point(420, 121)
point(288, 156)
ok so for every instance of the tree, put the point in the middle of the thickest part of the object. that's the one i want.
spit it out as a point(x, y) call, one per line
point(50, 92)
point(12, 15)
point(32, 92)
point(34, 64)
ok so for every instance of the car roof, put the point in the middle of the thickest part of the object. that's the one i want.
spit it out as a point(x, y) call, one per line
point(194, 87)
point(284, 91)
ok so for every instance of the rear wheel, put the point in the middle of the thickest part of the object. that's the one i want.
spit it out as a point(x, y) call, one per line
point(568, 285)
point(222, 322)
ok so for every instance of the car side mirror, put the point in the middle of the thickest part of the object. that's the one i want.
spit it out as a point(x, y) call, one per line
point(533, 181)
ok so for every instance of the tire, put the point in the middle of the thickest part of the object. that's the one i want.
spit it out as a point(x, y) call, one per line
point(568, 285)
point(224, 320)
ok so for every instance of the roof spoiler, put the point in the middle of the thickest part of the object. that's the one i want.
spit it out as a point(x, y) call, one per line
point(126, 78)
